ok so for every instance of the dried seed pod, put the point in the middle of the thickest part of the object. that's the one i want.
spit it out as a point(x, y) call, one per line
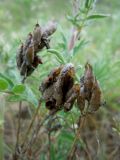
point(37, 33)
point(88, 77)
point(46, 33)
point(19, 56)
point(71, 96)
point(23, 69)
point(52, 78)
point(95, 101)
point(36, 62)
point(81, 99)
point(29, 54)
point(64, 83)
point(88, 81)
point(28, 41)
point(50, 102)
point(26, 58)
point(54, 74)
point(50, 28)
point(55, 87)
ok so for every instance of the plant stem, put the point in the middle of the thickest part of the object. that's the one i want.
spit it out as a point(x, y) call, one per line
point(36, 132)
point(15, 156)
point(49, 146)
point(76, 31)
point(31, 124)
point(72, 150)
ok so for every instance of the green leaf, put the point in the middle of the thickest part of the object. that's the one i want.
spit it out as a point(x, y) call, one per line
point(67, 136)
point(97, 16)
point(71, 19)
point(18, 89)
point(87, 3)
point(79, 46)
point(15, 98)
point(74, 21)
point(64, 39)
point(3, 84)
point(11, 84)
point(58, 54)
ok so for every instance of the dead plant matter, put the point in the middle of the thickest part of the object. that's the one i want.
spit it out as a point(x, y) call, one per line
point(59, 90)
point(27, 58)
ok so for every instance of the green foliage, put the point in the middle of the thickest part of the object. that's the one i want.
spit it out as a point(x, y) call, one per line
point(18, 89)
point(3, 84)
point(96, 16)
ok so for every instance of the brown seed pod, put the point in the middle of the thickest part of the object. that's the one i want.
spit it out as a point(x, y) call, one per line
point(88, 81)
point(88, 77)
point(19, 56)
point(26, 58)
point(29, 54)
point(46, 33)
point(28, 41)
point(48, 96)
point(95, 101)
point(36, 62)
point(64, 83)
point(55, 87)
point(50, 28)
point(37, 33)
point(52, 78)
point(81, 99)
point(71, 96)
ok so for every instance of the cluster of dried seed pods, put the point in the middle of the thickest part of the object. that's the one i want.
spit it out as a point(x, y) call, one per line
point(90, 91)
point(59, 90)
point(27, 58)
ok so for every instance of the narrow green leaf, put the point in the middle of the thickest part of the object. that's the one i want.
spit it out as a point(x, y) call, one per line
point(97, 16)
point(58, 54)
point(18, 89)
point(64, 39)
point(79, 46)
point(87, 3)
point(71, 19)
point(3, 84)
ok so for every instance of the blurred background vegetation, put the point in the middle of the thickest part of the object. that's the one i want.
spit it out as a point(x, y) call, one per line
point(17, 18)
